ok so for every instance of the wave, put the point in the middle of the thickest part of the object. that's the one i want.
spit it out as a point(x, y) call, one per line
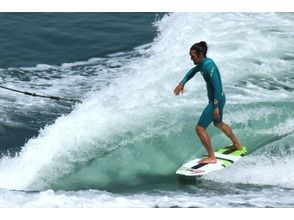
point(133, 130)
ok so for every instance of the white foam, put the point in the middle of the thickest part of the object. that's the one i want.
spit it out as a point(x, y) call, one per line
point(99, 199)
point(248, 114)
point(280, 129)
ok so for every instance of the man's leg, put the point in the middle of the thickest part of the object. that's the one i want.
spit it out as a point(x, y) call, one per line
point(207, 144)
point(228, 131)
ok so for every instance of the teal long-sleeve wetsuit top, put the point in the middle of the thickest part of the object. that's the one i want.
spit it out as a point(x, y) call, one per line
point(212, 78)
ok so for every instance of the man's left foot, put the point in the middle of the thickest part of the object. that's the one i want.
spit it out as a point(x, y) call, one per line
point(207, 160)
point(238, 147)
point(235, 147)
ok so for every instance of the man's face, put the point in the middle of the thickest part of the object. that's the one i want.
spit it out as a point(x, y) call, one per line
point(197, 59)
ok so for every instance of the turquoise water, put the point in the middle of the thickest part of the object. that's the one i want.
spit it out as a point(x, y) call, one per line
point(122, 145)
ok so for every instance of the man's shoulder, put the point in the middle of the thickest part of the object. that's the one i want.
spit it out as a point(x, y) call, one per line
point(209, 61)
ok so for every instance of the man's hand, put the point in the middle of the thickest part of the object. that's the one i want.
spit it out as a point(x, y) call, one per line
point(179, 89)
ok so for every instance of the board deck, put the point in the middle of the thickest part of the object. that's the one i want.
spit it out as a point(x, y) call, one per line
point(225, 156)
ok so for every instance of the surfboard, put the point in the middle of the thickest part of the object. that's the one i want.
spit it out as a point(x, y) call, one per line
point(225, 156)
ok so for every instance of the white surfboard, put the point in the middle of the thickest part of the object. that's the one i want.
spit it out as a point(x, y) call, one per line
point(225, 156)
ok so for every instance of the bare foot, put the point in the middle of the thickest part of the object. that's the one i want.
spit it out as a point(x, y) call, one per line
point(236, 147)
point(207, 160)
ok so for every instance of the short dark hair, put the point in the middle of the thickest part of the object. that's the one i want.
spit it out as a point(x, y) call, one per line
point(200, 47)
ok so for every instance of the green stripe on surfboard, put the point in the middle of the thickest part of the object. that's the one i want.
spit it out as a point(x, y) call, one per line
point(230, 151)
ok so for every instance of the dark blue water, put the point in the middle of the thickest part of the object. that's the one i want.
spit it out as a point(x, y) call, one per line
point(28, 39)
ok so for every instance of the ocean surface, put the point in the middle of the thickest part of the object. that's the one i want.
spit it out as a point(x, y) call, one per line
point(121, 146)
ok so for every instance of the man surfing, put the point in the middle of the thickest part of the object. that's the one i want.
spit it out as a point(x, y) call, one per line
point(216, 97)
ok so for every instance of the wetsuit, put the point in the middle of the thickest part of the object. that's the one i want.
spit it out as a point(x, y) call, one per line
point(213, 81)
